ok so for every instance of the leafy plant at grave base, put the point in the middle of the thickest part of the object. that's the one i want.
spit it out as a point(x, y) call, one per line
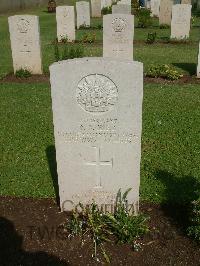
point(88, 38)
point(164, 26)
point(151, 37)
point(67, 51)
point(135, 4)
point(64, 39)
point(106, 10)
point(194, 229)
point(163, 71)
point(99, 26)
point(23, 73)
point(121, 226)
point(144, 17)
point(176, 41)
point(84, 26)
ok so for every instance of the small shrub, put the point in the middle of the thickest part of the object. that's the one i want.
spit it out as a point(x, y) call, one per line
point(99, 27)
point(144, 18)
point(164, 26)
point(151, 37)
point(163, 71)
point(88, 38)
point(194, 229)
point(64, 52)
point(52, 6)
point(23, 73)
point(84, 26)
point(90, 220)
point(106, 10)
point(64, 39)
point(179, 41)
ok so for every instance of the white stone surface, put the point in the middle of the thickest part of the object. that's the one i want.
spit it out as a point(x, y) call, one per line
point(118, 31)
point(180, 25)
point(106, 3)
point(96, 8)
point(83, 14)
point(97, 116)
point(25, 43)
point(198, 64)
point(65, 18)
point(121, 9)
point(124, 2)
point(148, 4)
point(155, 8)
point(165, 12)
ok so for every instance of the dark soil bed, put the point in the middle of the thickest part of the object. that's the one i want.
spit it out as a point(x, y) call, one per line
point(45, 79)
point(30, 235)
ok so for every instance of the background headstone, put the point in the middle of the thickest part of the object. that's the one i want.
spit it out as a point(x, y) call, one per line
point(83, 14)
point(96, 8)
point(98, 145)
point(121, 9)
point(165, 12)
point(198, 64)
point(65, 18)
point(155, 7)
point(124, 2)
point(118, 32)
point(25, 43)
point(180, 25)
point(106, 3)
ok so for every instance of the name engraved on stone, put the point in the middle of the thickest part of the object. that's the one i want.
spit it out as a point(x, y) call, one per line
point(119, 24)
point(98, 163)
point(96, 93)
point(23, 25)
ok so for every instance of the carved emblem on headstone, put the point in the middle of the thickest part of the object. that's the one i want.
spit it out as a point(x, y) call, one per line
point(96, 93)
point(119, 24)
point(23, 25)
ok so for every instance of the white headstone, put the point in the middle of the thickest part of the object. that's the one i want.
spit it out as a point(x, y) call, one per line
point(121, 9)
point(118, 31)
point(165, 12)
point(96, 8)
point(25, 43)
point(198, 64)
point(65, 23)
point(98, 145)
point(155, 7)
point(124, 2)
point(106, 3)
point(180, 25)
point(83, 14)
point(148, 4)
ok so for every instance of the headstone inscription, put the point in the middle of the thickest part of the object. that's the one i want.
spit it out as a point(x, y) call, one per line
point(25, 43)
point(118, 31)
point(98, 145)
point(180, 25)
point(65, 23)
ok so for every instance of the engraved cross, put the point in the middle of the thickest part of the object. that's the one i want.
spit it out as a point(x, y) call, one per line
point(98, 163)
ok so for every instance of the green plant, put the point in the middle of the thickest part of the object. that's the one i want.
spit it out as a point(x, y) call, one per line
point(151, 37)
point(122, 225)
point(67, 51)
point(64, 39)
point(164, 26)
point(84, 26)
point(144, 17)
point(194, 228)
point(106, 10)
point(23, 73)
point(88, 38)
point(163, 71)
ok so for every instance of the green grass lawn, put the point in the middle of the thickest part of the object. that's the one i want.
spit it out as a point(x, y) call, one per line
point(170, 144)
point(182, 56)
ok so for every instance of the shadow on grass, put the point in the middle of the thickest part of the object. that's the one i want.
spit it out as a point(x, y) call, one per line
point(179, 193)
point(51, 157)
point(189, 67)
point(12, 253)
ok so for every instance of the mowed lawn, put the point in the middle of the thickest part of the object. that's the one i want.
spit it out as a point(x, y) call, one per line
point(182, 56)
point(170, 169)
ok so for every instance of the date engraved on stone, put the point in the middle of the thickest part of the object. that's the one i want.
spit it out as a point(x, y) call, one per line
point(96, 93)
